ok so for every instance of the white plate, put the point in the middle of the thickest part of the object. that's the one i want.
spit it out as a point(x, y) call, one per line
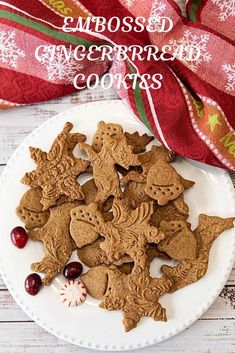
point(88, 325)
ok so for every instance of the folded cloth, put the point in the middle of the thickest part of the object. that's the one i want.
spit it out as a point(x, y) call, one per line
point(192, 113)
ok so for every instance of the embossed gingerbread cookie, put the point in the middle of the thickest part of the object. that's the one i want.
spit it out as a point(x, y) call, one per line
point(135, 194)
point(115, 150)
point(92, 255)
point(180, 242)
point(175, 210)
point(89, 190)
point(30, 209)
point(128, 233)
point(147, 160)
point(135, 294)
point(57, 170)
point(164, 183)
point(138, 142)
point(190, 271)
point(103, 130)
point(57, 242)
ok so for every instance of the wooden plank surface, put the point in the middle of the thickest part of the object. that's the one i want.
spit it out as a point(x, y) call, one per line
point(213, 333)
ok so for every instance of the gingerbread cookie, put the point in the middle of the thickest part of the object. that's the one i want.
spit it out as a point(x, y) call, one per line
point(57, 242)
point(89, 190)
point(128, 233)
point(115, 150)
point(180, 242)
point(57, 170)
point(86, 224)
point(135, 294)
point(96, 280)
point(147, 160)
point(176, 210)
point(190, 271)
point(30, 209)
point(164, 183)
point(92, 255)
point(135, 194)
point(138, 142)
point(104, 130)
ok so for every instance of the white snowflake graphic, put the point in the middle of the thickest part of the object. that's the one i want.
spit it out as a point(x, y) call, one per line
point(129, 3)
point(158, 7)
point(230, 71)
point(9, 52)
point(191, 49)
point(58, 66)
point(227, 8)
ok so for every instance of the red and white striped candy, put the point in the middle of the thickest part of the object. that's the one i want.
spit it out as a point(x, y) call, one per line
point(73, 293)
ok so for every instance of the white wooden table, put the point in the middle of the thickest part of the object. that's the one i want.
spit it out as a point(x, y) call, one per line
point(213, 333)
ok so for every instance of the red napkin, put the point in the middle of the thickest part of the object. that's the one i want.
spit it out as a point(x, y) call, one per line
point(193, 111)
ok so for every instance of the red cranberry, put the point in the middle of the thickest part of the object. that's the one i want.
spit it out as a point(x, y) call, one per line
point(19, 237)
point(33, 284)
point(73, 270)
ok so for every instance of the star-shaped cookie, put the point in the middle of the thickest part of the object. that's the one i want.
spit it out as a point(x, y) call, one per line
point(135, 294)
point(57, 170)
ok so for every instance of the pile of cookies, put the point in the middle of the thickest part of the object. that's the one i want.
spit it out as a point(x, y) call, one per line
point(129, 212)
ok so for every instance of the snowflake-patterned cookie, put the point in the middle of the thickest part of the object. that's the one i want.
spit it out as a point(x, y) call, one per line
point(57, 170)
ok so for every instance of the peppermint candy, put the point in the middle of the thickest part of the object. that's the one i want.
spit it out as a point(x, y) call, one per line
point(73, 293)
